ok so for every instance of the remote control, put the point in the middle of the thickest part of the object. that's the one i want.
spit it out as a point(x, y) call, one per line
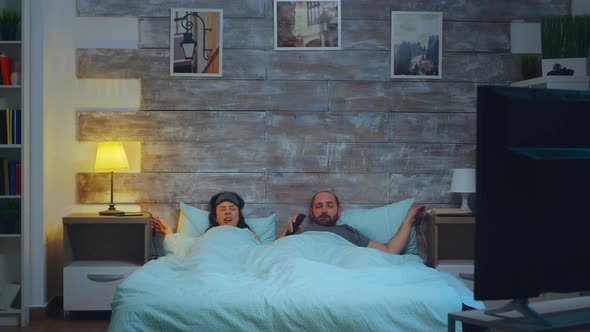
point(297, 222)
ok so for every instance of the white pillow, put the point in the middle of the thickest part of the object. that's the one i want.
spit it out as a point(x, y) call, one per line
point(193, 221)
point(382, 223)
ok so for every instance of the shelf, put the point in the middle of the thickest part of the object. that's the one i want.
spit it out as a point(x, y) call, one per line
point(556, 82)
point(10, 146)
point(10, 317)
point(538, 82)
point(3, 86)
point(10, 42)
point(9, 196)
point(16, 236)
point(11, 311)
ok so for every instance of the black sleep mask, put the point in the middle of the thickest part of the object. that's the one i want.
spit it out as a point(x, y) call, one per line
point(229, 197)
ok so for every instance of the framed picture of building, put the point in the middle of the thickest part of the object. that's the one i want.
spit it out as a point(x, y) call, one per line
point(307, 25)
point(416, 45)
point(196, 42)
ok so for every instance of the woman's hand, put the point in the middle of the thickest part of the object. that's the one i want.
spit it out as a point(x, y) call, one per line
point(160, 226)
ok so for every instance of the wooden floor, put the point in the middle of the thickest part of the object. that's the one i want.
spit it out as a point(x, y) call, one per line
point(87, 322)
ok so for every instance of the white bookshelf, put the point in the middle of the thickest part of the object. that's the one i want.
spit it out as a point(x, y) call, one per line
point(14, 245)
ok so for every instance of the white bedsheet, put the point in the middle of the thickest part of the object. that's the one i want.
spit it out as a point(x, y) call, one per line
point(316, 281)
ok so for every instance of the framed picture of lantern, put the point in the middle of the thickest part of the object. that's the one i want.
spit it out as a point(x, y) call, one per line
point(196, 42)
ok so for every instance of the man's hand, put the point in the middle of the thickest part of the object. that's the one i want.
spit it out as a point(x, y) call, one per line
point(415, 211)
point(289, 227)
point(160, 226)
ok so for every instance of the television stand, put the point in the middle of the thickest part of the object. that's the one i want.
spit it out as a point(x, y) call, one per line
point(561, 315)
point(522, 306)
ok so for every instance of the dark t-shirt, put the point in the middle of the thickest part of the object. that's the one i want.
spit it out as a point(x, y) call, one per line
point(347, 232)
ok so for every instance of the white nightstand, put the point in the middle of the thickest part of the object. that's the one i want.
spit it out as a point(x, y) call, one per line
point(99, 253)
point(451, 244)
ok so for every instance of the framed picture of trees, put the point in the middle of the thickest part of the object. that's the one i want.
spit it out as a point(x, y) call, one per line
point(307, 25)
point(416, 45)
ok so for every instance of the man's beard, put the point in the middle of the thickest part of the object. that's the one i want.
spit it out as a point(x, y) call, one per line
point(331, 221)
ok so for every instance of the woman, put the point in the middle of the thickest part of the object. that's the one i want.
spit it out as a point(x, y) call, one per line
point(225, 209)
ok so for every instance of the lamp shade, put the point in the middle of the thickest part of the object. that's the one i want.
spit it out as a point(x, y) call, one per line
point(463, 180)
point(110, 156)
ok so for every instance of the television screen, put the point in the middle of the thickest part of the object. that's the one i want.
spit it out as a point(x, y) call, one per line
point(533, 185)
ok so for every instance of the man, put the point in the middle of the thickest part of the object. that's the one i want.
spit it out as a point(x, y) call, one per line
point(325, 210)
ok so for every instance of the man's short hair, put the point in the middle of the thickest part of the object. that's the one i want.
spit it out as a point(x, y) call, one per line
point(325, 191)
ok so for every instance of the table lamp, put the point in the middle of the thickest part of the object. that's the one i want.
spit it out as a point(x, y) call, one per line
point(463, 182)
point(110, 157)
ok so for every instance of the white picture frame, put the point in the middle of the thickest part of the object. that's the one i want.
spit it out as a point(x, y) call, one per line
point(204, 27)
point(416, 45)
point(307, 25)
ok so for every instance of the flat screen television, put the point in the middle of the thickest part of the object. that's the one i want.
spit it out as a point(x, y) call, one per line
point(532, 232)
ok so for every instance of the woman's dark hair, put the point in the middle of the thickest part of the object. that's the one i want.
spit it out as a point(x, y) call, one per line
point(226, 196)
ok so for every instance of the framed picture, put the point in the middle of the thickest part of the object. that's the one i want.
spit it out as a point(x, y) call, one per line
point(416, 45)
point(196, 42)
point(307, 25)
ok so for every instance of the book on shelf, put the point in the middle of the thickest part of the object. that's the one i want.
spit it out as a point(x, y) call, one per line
point(7, 116)
point(10, 126)
point(17, 126)
point(2, 177)
point(18, 178)
point(5, 68)
point(6, 189)
point(3, 139)
point(10, 177)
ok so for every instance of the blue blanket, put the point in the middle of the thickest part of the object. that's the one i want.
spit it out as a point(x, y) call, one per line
point(225, 280)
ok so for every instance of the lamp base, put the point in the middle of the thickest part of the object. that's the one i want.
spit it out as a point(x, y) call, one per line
point(111, 211)
point(464, 202)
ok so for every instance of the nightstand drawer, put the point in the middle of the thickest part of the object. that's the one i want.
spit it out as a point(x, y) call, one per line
point(91, 285)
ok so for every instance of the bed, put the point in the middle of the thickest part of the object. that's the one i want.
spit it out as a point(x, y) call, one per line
point(226, 280)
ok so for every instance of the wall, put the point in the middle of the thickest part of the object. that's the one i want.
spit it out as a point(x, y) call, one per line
point(280, 125)
point(277, 126)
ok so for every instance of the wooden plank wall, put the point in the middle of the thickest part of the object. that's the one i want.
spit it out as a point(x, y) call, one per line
point(280, 125)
